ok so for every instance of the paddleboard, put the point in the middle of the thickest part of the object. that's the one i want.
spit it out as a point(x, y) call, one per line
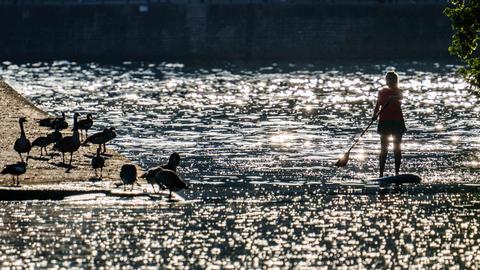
point(397, 179)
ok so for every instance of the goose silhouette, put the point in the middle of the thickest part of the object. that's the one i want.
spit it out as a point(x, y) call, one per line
point(128, 174)
point(172, 164)
point(16, 169)
point(101, 138)
point(85, 124)
point(69, 144)
point(22, 144)
point(98, 162)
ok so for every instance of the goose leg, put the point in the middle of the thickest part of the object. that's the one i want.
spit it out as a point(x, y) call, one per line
point(63, 158)
point(95, 172)
point(124, 187)
point(46, 153)
point(132, 187)
point(28, 154)
point(13, 180)
point(170, 195)
point(18, 181)
point(70, 163)
point(153, 188)
point(101, 172)
point(20, 156)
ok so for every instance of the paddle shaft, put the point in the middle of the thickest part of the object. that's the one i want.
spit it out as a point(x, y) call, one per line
point(369, 125)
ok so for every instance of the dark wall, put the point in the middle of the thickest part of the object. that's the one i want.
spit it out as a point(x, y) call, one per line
point(224, 32)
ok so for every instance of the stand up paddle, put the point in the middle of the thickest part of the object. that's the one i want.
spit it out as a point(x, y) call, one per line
point(343, 160)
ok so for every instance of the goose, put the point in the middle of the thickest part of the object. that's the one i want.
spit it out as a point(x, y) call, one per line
point(42, 142)
point(98, 162)
point(52, 121)
point(55, 136)
point(59, 122)
point(170, 180)
point(101, 138)
point(128, 174)
point(172, 164)
point(46, 122)
point(85, 124)
point(16, 169)
point(69, 144)
point(22, 144)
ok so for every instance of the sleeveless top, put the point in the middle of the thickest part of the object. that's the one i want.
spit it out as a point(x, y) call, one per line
point(392, 110)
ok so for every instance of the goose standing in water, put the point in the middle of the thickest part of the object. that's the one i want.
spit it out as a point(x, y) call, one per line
point(128, 174)
point(16, 169)
point(42, 142)
point(69, 144)
point(98, 162)
point(101, 138)
point(170, 180)
point(85, 124)
point(22, 144)
point(172, 165)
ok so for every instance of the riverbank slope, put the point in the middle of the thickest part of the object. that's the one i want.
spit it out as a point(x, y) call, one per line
point(46, 169)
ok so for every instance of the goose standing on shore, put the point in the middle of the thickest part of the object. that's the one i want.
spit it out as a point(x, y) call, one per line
point(101, 138)
point(42, 142)
point(69, 144)
point(98, 162)
point(128, 174)
point(59, 122)
point(55, 136)
point(52, 122)
point(22, 144)
point(85, 124)
point(16, 169)
point(172, 165)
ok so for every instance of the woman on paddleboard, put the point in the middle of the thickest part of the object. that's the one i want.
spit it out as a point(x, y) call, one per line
point(389, 111)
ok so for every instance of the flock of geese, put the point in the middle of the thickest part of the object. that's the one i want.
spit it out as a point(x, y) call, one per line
point(164, 176)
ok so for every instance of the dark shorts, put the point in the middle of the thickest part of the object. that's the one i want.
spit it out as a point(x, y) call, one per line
point(391, 127)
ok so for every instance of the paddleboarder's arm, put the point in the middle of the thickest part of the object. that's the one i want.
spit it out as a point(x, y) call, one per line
point(377, 107)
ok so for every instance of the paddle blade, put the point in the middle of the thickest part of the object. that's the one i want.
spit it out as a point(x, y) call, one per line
point(343, 160)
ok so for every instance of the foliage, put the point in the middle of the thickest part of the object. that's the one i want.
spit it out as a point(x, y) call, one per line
point(465, 17)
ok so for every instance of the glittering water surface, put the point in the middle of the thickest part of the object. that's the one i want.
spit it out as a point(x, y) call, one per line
point(253, 141)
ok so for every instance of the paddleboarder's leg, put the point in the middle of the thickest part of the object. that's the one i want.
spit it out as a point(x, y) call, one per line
point(383, 152)
point(397, 150)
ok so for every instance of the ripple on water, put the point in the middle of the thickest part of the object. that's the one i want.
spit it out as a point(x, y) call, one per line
point(288, 119)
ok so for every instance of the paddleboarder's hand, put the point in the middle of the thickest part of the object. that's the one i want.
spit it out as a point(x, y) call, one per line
point(374, 117)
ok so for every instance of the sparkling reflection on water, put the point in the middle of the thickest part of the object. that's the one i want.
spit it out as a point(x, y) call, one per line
point(241, 130)
point(271, 124)
point(314, 231)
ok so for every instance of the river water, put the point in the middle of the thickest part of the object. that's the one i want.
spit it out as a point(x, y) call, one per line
point(257, 144)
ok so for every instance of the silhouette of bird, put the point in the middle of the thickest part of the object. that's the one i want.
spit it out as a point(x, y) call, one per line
point(55, 136)
point(52, 122)
point(98, 162)
point(69, 144)
point(101, 138)
point(22, 144)
point(16, 169)
point(59, 123)
point(170, 180)
point(85, 124)
point(128, 174)
point(172, 164)
point(42, 142)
